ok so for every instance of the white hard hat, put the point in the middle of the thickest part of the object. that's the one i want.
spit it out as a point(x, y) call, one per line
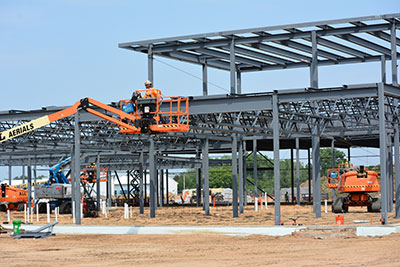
point(147, 82)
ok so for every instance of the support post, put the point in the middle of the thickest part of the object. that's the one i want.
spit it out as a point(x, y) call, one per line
point(240, 157)
point(244, 176)
point(9, 174)
point(239, 82)
point(109, 187)
point(152, 167)
point(232, 66)
point(333, 165)
point(348, 154)
point(255, 173)
point(198, 182)
point(23, 174)
point(393, 41)
point(397, 169)
point(77, 170)
point(383, 154)
point(167, 184)
point(314, 61)
point(277, 185)
point(161, 187)
point(297, 170)
point(150, 64)
point(206, 193)
point(234, 177)
point(383, 69)
point(309, 175)
point(98, 182)
point(141, 199)
point(205, 79)
point(292, 174)
point(29, 188)
point(316, 173)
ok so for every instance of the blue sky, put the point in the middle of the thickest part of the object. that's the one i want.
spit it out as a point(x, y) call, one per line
point(57, 52)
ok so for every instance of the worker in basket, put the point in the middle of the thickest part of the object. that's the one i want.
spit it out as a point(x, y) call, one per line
point(150, 91)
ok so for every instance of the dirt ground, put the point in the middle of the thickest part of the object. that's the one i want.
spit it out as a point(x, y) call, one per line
point(200, 250)
point(220, 215)
point(304, 248)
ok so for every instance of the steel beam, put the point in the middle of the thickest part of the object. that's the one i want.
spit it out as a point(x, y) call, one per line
point(206, 187)
point(383, 154)
point(397, 169)
point(239, 82)
point(152, 167)
point(316, 174)
point(141, 196)
point(314, 62)
point(333, 165)
point(241, 183)
point(277, 185)
point(77, 170)
point(298, 171)
point(29, 189)
point(234, 177)
point(255, 172)
point(98, 182)
point(393, 53)
point(233, 67)
point(204, 79)
point(150, 64)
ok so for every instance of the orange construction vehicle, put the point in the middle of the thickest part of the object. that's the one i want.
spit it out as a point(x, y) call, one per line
point(12, 198)
point(357, 183)
point(134, 116)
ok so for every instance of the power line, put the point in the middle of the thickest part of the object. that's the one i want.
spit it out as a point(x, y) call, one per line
point(192, 75)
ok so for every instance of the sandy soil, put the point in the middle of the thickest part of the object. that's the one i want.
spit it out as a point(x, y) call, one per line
point(218, 216)
point(200, 250)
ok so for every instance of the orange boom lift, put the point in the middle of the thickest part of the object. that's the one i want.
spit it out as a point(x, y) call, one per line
point(12, 198)
point(134, 116)
point(356, 183)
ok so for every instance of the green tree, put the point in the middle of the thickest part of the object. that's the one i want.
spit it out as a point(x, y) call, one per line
point(326, 159)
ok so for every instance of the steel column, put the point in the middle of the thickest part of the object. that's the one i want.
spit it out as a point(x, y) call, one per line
point(98, 182)
point(297, 170)
point(232, 66)
point(23, 174)
point(29, 188)
point(206, 193)
point(240, 156)
point(348, 154)
point(316, 174)
point(333, 165)
point(255, 172)
point(239, 82)
point(141, 199)
point(77, 170)
point(383, 69)
point(198, 182)
point(394, 53)
point(9, 175)
point(244, 177)
point(397, 169)
point(205, 79)
point(292, 174)
point(309, 175)
point(383, 154)
point(234, 177)
point(167, 184)
point(150, 64)
point(277, 185)
point(161, 187)
point(314, 61)
point(109, 187)
point(152, 167)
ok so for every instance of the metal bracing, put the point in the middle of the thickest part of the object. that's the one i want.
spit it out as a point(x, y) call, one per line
point(280, 47)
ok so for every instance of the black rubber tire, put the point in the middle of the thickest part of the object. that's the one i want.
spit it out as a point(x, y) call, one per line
point(337, 206)
point(66, 208)
point(3, 208)
point(43, 208)
point(376, 205)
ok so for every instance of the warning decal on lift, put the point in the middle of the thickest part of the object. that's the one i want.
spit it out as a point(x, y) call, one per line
point(24, 128)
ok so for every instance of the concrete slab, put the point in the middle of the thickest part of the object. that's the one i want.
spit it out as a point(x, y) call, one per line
point(176, 230)
point(377, 230)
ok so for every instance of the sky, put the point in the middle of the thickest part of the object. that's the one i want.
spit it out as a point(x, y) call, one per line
point(53, 53)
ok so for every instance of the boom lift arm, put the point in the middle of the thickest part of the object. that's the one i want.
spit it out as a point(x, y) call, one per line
point(139, 120)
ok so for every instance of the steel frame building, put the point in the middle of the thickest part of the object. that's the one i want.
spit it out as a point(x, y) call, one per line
point(350, 115)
